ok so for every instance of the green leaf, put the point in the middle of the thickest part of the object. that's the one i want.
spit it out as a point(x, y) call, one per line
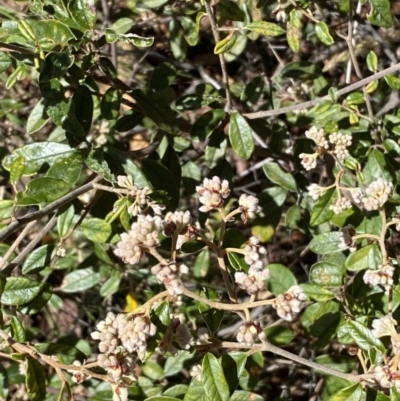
point(196, 391)
point(5, 61)
point(37, 303)
point(206, 124)
point(129, 120)
point(275, 174)
point(211, 316)
point(372, 61)
point(162, 76)
point(303, 70)
point(83, 12)
point(232, 366)
point(43, 190)
point(352, 393)
point(59, 33)
point(18, 330)
point(381, 13)
point(177, 390)
point(363, 336)
point(6, 208)
point(327, 243)
point(65, 353)
point(326, 274)
point(242, 395)
point(190, 30)
point(139, 41)
point(83, 105)
point(65, 221)
point(293, 216)
point(111, 285)
point(38, 259)
point(80, 280)
point(323, 34)
point(17, 169)
point(240, 136)
point(153, 371)
point(19, 291)
point(36, 155)
point(156, 108)
point(37, 118)
point(67, 169)
point(279, 335)
point(280, 278)
point(342, 363)
point(110, 104)
point(97, 230)
point(201, 264)
point(227, 9)
point(265, 28)
point(377, 167)
point(161, 397)
point(317, 293)
point(226, 44)
point(153, 3)
point(174, 364)
point(213, 379)
point(368, 257)
point(35, 380)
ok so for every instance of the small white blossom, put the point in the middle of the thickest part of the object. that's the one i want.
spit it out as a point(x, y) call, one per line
point(384, 327)
point(378, 193)
point(118, 364)
point(249, 333)
point(357, 195)
point(143, 234)
point(176, 223)
point(169, 276)
point(309, 161)
point(61, 252)
point(253, 281)
point(212, 193)
point(253, 252)
point(315, 191)
point(288, 305)
point(120, 392)
point(382, 376)
point(77, 376)
point(318, 136)
point(382, 276)
point(341, 142)
point(248, 205)
point(203, 335)
point(340, 205)
point(195, 371)
point(125, 181)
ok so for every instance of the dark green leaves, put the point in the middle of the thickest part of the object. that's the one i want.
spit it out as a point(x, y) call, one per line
point(35, 380)
point(381, 13)
point(59, 33)
point(97, 230)
point(240, 135)
point(83, 12)
point(110, 104)
point(156, 108)
point(303, 70)
point(213, 379)
point(275, 173)
point(19, 291)
point(265, 28)
point(327, 243)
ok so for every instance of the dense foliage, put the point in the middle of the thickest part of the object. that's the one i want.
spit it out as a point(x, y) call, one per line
point(199, 200)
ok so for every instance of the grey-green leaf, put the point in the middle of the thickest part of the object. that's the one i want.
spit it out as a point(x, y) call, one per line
point(240, 136)
point(275, 174)
point(213, 379)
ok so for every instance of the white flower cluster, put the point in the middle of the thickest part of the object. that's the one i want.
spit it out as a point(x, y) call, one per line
point(315, 191)
point(249, 333)
point(279, 12)
point(253, 281)
point(318, 136)
point(119, 365)
point(308, 160)
point(253, 252)
point(248, 206)
point(341, 142)
point(382, 276)
point(378, 193)
point(176, 223)
point(127, 331)
point(176, 333)
point(340, 205)
point(212, 193)
point(288, 305)
point(143, 234)
point(141, 201)
point(384, 327)
point(346, 238)
point(169, 276)
point(386, 378)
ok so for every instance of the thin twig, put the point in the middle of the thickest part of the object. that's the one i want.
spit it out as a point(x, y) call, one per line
point(222, 61)
point(311, 103)
point(21, 221)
